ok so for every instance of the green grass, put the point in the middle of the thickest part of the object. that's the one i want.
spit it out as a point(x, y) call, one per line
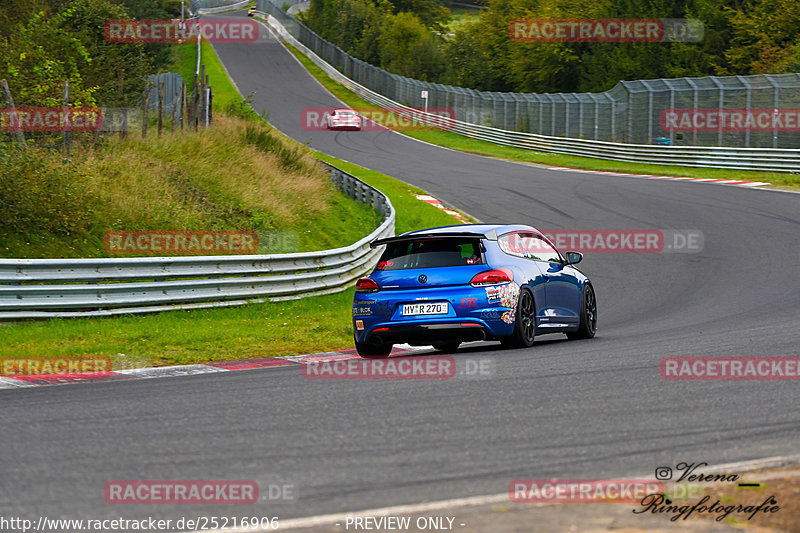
point(412, 214)
point(235, 176)
point(184, 62)
point(316, 324)
point(466, 144)
point(462, 15)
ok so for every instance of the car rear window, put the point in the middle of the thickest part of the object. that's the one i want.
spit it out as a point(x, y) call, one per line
point(428, 253)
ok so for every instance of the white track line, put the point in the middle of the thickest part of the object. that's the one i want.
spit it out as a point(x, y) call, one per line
point(337, 518)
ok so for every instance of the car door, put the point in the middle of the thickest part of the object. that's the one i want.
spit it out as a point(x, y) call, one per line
point(562, 286)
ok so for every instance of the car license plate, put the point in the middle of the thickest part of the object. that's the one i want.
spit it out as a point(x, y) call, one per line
point(437, 308)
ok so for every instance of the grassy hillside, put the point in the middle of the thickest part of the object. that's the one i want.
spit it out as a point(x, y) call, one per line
point(236, 175)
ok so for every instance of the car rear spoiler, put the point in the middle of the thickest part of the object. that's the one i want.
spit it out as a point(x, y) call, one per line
point(492, 235)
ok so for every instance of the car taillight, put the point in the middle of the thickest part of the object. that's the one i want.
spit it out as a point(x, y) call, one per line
point(367, 285)
point(498, 276)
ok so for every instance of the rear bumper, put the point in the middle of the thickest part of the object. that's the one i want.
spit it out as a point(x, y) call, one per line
point(426, 334)
point(345, 126)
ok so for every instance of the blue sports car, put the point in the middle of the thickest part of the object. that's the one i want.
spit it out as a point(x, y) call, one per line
point(444, 286)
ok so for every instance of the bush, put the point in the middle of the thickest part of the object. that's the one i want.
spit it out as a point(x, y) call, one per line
point(40, 196)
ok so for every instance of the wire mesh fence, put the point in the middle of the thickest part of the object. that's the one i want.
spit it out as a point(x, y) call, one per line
point(172, 90)
point(760, 111)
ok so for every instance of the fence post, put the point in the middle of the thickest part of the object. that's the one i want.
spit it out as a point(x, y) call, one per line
point(541, 114)
point(18, 131)
point(160, 106)
point(649, 112)
point(694, 106)
point(630, 116)
point(184, 107)
point(192, 104)
point(613, 119)
point(775, 102)
point(145, 108)
point(174, 111)
point(123, 129)
point(64, 109)
point(210, 104)
point(207, 100)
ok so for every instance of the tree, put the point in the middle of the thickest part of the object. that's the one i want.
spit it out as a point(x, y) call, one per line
point(432, 14)
point(409, 49)
point(86, 24)
point(468, 59)
point(38, 55)
point(765, 36)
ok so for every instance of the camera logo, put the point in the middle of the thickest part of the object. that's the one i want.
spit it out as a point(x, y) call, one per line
point(663, 473)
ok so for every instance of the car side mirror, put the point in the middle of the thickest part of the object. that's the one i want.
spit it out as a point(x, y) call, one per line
point(573, 257)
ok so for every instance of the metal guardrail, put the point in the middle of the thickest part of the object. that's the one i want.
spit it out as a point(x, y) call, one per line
point(45, 288)
point(768, 159)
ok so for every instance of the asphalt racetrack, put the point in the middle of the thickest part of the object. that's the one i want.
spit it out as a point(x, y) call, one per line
point(583, 409)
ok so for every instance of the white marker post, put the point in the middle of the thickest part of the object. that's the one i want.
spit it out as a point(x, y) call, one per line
point(424, 94)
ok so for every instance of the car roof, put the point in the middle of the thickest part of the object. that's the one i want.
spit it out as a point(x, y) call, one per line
point(488, 231)
point(484, 231)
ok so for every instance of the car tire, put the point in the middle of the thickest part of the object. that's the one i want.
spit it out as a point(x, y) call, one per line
point(370, 350)
point(446, 347)
point(588, 324)
point(524, 322)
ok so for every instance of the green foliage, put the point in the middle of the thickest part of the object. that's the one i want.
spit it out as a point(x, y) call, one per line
point(407, 48)
point(431, 12)
point(766, 37)
point(468, 58)
point(740, 37)
point(154, 9)
point(260, 137)
point(242, 108)
point(398, 42)
point(41, 197)
point(111, 59)
point(37, 56)
point(46, 42)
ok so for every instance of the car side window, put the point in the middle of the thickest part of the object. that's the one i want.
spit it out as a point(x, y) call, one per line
point(529, 246)
point(545, 252)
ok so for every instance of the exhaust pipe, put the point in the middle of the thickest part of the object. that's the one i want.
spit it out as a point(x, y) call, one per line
point(376, 340)
point(480, 335)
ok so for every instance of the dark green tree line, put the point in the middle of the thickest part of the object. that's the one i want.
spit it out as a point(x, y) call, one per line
point(406, 37)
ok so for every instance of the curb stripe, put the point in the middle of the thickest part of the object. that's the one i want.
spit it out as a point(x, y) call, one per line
point(736, 183)
point(17, 382)
point(437, 203)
